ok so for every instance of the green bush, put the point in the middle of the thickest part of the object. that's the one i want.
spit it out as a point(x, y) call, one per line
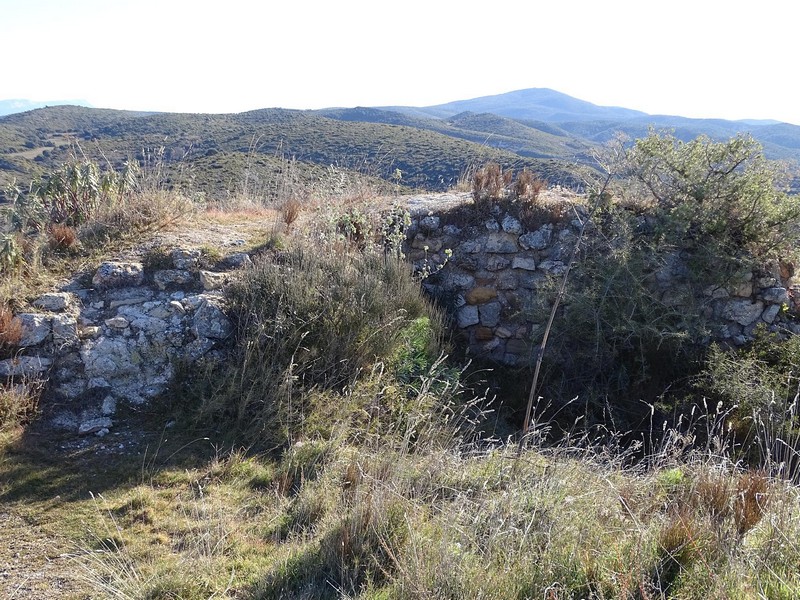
point(686, 215)
point(720, 201)
point(313, 320)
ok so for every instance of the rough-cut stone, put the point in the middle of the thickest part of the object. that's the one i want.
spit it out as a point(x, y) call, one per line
point(770, 313)
point(531, 280)
point(89, 331)
point(185, 258)
point(480, 295)
point(715, 292)
point(95, 425)
point(776, 295)
point(497, 262)
point(55, 301)
point(507, 281)
point(194, 301)
point(511, 225)
point(490, 314)
point(429, 224)
point(198, 348)
point(118, 275)
point(501, 243)
point(523, 262)
point(109, 406)
point(176, 306)
point(483, 333)
point(492, 225)
point(71, 389)
point(537, 240)
point(210, 322)
point(117, 322)
point(213, 281)
point(65, 331)
point(742, 311)
point(172, 278)
point(743, 289)
point(467, 316)
point(451, 230)
point(238, 260)
point(554, 267)
point(24, 366)
point(35, 329)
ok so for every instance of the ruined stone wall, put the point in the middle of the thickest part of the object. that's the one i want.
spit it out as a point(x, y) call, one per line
point(488, 275)
point(119, 338)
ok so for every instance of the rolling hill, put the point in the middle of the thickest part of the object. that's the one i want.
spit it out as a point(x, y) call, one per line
point(217, 154)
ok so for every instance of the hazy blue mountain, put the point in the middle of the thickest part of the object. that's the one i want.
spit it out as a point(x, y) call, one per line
point(581, 124)
point(540, 104)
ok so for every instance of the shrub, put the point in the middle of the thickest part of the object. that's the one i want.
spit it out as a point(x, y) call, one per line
point(721, 201)
point(309, 319)
point(527, 186)
point(11, 256)
point(489, 184)
point(290, 211)
point(62, 238)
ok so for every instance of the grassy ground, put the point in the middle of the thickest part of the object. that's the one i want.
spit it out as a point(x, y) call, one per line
point(179, 514)
point(363, 469)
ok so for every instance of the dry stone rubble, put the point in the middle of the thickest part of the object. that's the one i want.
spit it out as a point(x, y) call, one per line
point(120, 339)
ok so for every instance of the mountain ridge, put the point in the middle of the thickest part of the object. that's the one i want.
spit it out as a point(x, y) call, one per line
point(551, 133)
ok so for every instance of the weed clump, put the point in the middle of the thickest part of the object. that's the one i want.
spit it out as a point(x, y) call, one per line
point(492, 184)
point(312, 320)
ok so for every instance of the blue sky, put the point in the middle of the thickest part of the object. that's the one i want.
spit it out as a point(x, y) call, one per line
point(700, 58)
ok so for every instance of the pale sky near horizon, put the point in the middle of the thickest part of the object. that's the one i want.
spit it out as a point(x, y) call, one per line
point(694, 58)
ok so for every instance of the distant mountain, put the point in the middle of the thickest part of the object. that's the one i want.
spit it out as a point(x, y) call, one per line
point(541, 104)
point(579, 124)
point(551, 133)
point(10, 107)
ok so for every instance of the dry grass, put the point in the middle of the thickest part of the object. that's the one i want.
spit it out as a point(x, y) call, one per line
point(752, 499)
point(290, 211)
point(10, 329)
point(528, 187)
point(18, 404)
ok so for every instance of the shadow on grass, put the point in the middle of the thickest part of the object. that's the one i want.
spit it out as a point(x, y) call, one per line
point(44, 466)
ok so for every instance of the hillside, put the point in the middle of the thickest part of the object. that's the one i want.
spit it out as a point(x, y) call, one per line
point(216, 154)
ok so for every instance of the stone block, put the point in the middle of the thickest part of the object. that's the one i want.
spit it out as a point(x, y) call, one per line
point(501, 243)
point(172, 278)
point(115, 274)
point(25, 366)
point(775, 295)
point(54, 302)
point(742, 311)
point(480, 295)
point(490, 314)
point(483, 334)
point(185, 258)
point(511, 225)
point(537, 240)
point(467, 316)
point(35, 329)
point(523, 262)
